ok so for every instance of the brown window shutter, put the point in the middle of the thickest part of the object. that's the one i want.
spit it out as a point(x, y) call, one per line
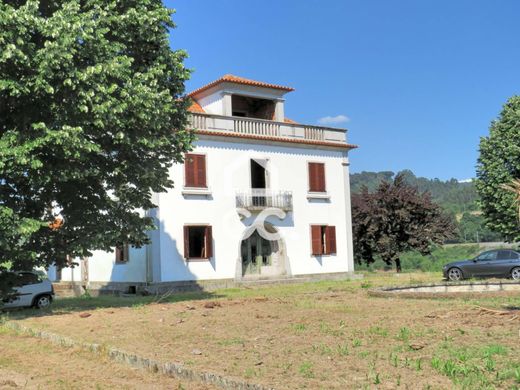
point(195, 170)
point(201, 171)
point(189, 170)
point(208, 242)
point(330, 239)
point(119, 254)
point(317, 243)
point(186, 242)
point(122, 253)
point(317, 177)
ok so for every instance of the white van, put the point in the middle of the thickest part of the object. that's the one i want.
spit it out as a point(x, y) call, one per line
point(31, 289)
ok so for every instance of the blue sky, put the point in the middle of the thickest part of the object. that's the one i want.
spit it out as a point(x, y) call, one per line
point(419, 80)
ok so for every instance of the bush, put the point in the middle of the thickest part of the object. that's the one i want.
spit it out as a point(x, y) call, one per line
point(414, 261)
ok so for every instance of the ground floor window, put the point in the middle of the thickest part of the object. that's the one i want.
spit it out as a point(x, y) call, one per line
point(323, 239)
point(198, 242)
point(122, 254)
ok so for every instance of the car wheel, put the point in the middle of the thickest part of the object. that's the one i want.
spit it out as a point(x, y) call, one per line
point(43, 301)
point(515, 273)
point(455, 274)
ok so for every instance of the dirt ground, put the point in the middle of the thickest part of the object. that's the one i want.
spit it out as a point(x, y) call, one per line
point(30, 363)
point(326, 335)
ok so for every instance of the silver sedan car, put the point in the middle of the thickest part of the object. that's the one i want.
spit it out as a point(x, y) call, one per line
point(498, 263)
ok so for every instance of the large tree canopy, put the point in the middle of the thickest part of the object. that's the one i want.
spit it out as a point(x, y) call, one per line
point(396, 218)
point(498, 167)
point(91, 119)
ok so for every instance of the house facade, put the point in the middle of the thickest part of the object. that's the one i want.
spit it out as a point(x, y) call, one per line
point(259, 197)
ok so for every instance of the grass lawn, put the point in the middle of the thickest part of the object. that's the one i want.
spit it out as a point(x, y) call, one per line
point(328, 334)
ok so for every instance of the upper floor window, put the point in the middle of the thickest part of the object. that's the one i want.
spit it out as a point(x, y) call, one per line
point(317, 177)
point(251, 107)
point(195, 170)
point(323, 240)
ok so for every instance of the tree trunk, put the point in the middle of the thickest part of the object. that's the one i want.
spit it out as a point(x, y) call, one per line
point(398, 264)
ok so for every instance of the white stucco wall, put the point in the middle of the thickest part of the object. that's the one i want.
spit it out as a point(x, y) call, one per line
point(102, 267)
point(228, 171)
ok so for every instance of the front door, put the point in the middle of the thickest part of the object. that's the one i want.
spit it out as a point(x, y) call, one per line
point(256, 253)
point(483, 264)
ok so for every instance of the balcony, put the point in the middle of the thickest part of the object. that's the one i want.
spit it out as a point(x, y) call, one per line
point(260, 199)
point(266, 128)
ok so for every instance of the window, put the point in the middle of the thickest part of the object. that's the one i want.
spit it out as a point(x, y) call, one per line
point(485, 256)
point(507, 255)
point(323, 240)
point(198, 242)
point(317, 177)
point(122, 254)
point(195, 170)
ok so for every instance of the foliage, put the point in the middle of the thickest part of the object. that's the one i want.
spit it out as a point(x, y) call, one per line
point(454, 196)
point(498, 166)
point(459, 199)
point(433, 262)
point(472, 228)
point(394, 219)
point(90, 95)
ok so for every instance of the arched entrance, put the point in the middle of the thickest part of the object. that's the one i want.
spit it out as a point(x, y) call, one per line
point(261, 257)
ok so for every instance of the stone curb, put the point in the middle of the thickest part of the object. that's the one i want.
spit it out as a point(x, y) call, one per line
point(445, 290)
point(174, 370)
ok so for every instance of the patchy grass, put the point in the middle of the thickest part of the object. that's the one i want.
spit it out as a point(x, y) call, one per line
point(329, 334)
point(30, 363)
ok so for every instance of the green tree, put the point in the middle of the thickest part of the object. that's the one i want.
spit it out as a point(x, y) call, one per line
point(498, 166)
point(394, 219)
point(91, 120)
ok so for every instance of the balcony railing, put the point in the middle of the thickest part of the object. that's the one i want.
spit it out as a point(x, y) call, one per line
point(266, 128)
point(260, 199)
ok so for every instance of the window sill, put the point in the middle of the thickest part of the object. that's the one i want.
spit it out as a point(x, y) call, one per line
point(197, 259)
point(196, 191)
point(318, 195)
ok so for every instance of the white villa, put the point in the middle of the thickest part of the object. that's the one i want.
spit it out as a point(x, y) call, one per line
point(259, 197)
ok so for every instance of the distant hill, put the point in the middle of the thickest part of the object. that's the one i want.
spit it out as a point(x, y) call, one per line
point(457, 198)
point(454, 196)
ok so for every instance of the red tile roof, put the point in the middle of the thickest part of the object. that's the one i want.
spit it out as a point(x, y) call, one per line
point(195, 107)
point(339, 145)
point(229, 78)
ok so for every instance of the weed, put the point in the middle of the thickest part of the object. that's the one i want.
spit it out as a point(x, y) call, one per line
point(418, 364)
point(233, 341)
point(376, 330)
point(393, 359)
point(323, 349)
point(366, 284)
point(343, 350)
point(516, 375)
point(494, 349)
point(299, 327)
point(249, 372)
point(377, 380)
point(306, 370)
point(356, 343)
point(489, 364)
point(404, 334)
